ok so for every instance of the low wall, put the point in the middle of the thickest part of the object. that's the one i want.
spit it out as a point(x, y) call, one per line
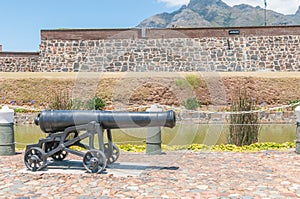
point(273, 117)
point(19, 62)
point(287, 117)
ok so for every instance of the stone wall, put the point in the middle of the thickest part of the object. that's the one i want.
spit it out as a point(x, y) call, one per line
point(271, 53)
point(140, 50)
point(272, 117)
point(269, 117)
point(19, 62)
point(178, 49)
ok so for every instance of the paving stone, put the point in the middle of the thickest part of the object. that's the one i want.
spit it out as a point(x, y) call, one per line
point(173, 175)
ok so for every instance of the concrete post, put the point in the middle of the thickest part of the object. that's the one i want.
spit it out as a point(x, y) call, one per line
point(7, 139)
point(153, 136)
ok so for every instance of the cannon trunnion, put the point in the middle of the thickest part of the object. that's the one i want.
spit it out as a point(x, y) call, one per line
point(67, 128)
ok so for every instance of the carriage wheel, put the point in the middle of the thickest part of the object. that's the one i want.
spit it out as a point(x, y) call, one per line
point(35, 159)
point(114, 154)
point(58, 156)
point(94, 161)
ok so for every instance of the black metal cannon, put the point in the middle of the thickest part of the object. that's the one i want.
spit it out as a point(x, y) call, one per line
point(67, 128)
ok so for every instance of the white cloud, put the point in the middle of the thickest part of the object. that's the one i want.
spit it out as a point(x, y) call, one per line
point(281, 6)
point(175, 2)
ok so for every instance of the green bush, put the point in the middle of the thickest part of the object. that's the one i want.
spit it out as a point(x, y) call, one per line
point(192, 81)
point(294, 102)
point(191, 103)
point(182, 83)
point(19, 110)
point(95, 103)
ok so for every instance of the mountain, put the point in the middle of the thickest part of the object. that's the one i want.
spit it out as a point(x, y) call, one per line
point(216, 13)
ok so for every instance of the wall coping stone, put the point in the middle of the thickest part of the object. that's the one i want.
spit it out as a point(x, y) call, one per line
point(152, 33)
point(19, 54)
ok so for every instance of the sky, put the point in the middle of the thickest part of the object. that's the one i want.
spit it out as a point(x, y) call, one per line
point(21, 21)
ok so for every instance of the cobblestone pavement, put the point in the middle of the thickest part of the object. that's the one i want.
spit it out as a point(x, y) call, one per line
point(184, 174)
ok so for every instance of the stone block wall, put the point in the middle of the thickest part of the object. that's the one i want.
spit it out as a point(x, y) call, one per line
point(142, 50)
point(172, 50)
point(264, 53)
point(19, 62)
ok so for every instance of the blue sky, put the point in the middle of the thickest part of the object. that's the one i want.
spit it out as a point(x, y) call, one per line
point(21, 21)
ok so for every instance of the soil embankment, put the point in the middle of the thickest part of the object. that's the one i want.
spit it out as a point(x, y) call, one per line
point(135, 89)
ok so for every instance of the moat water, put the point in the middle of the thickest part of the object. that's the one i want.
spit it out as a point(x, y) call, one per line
point(182, 134)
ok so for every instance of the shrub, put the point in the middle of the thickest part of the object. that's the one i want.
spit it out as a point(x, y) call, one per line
point(191, 103)
point(77, 104)
point(19, 110)
point(194, 81)
point(182, 83)
point(294, 102)
point(95, 103)
point(244, 127)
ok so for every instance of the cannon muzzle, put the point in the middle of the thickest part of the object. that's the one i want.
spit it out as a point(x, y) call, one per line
point(58, 120)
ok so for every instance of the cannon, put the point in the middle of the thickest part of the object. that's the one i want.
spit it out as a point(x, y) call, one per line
point(67, 128)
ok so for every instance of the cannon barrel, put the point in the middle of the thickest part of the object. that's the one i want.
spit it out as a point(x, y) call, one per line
point(51, 121)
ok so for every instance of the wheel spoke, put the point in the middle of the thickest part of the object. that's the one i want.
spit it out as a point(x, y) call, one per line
point(58, 156)
point(35, 159)
point(94, 161)
point(113, 155)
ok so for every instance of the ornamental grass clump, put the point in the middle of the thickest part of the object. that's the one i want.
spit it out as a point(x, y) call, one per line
point(63, 101)
point(243, 123)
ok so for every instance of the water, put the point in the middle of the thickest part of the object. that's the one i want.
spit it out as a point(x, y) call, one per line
point(182, 134)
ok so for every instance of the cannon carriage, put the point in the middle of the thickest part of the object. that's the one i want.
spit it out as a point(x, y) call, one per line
point(67, 128)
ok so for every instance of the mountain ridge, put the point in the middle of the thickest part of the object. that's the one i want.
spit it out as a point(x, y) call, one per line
point(216, 13)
